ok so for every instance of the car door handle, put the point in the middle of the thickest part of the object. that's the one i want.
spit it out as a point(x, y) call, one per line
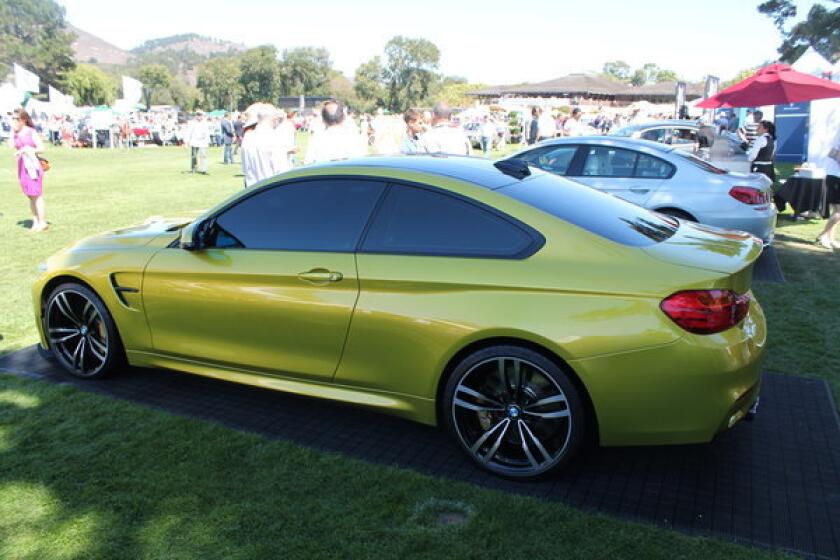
point(320, 276)
point(639, 190)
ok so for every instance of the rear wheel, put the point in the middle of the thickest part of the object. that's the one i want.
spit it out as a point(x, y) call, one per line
point(81, 333)
point(514, 412)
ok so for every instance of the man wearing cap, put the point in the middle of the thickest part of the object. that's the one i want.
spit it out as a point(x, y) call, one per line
point(264, 153)
point(336, 141)
point(198, 139)
point(444, 137)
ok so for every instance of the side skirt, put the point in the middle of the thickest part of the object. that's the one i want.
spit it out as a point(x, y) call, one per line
point(406, 406)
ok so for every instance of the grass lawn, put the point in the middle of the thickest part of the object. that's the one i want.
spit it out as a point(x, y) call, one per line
point(84, 476)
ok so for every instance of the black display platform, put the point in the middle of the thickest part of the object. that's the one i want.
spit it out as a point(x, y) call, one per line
point(774, 482)
point(767, 268)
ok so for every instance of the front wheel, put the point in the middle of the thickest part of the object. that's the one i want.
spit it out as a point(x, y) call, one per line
point(514, 412)
point(81, 333)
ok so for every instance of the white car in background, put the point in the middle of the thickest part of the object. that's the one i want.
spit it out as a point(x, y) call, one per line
point(662, 178)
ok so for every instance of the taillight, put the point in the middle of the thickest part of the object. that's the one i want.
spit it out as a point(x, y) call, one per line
point(706, 311)
point(749, 195)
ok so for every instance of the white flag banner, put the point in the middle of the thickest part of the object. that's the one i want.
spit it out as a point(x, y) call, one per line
point(26, 80)
point(132, 89)
point(56, 96)
point(10, 97)
point(59, 99)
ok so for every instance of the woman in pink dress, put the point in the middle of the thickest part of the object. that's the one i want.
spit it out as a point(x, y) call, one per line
point(28, 146)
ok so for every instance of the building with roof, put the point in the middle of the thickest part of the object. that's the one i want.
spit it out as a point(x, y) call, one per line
point(585, 89)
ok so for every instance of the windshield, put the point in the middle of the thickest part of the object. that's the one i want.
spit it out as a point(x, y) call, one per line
point(597, 212)
point(702, 164)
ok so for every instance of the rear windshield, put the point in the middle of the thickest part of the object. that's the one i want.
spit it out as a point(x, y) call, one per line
point(593, 210)
point(702, 164)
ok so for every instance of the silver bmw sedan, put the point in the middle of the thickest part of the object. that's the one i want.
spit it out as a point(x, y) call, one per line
point(662, 178)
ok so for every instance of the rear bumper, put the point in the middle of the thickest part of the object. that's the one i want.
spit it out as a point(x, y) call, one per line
point(683, 392)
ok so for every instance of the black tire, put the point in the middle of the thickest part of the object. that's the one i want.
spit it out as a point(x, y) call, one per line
point(491, 407)
point(81, 333)
point(674, 213)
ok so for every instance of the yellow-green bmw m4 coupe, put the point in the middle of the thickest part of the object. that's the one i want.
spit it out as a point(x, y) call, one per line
point(520, 310)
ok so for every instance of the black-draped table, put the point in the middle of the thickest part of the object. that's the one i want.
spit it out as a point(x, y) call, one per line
point(805, 195)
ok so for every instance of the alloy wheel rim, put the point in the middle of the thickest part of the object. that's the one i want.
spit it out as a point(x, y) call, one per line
point(512, 416)
point(77, 332)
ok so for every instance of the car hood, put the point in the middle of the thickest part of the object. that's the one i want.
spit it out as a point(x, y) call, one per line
point(708, 248)
point(136, 236)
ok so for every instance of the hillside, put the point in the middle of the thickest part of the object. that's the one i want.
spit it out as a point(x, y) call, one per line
point(91, 49)
point(192, 42)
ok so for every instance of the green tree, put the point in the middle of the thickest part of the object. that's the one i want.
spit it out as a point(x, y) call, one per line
point(666, 76)
point(305, 71)
point(820, 29)
point(455, 92)
point(33, 33)
point(740, 76)
point(779, 11)
point(651, 73)
point(341, 87)
point(183, 95)
point(219, 82)
point(156, 78)
point(410, 71)
point(90, 86)
point(617, 69)
point(368, 84)
point(259, 75)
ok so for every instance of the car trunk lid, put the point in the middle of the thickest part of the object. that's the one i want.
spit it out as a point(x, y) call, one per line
point(732, 253)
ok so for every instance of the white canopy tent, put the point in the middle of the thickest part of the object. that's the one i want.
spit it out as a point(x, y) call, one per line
point(824, 117)
point(812, 62)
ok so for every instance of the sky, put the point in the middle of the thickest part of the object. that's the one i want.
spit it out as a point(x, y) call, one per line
point(491, 42)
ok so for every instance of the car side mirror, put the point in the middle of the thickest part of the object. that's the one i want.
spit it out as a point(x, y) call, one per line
point(194, 236)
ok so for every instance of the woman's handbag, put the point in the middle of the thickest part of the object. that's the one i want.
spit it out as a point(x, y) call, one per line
point(45, 163)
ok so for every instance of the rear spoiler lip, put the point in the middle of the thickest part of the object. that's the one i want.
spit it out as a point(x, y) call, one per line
point(750, 256)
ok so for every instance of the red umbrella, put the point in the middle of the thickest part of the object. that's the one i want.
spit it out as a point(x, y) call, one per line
point(775, 84)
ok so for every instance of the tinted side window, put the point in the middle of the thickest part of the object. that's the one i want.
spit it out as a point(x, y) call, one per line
point(324, 215)
point(554, 159)
point(684, 136)
point(417, 221)
point(604, 161)
point(655, 135)
point(649, 167)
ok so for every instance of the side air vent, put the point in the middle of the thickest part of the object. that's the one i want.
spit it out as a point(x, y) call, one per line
point(127, 288)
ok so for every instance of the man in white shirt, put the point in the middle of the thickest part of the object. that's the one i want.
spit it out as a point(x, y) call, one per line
point(546, 127)
point(336, 141)
point(264, 152)
point(573, 126)
point(444, 137)
point(286, 131)
point(198, 139)
point(488, 134)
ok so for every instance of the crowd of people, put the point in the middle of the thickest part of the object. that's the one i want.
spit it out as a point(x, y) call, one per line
point(264, 137)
